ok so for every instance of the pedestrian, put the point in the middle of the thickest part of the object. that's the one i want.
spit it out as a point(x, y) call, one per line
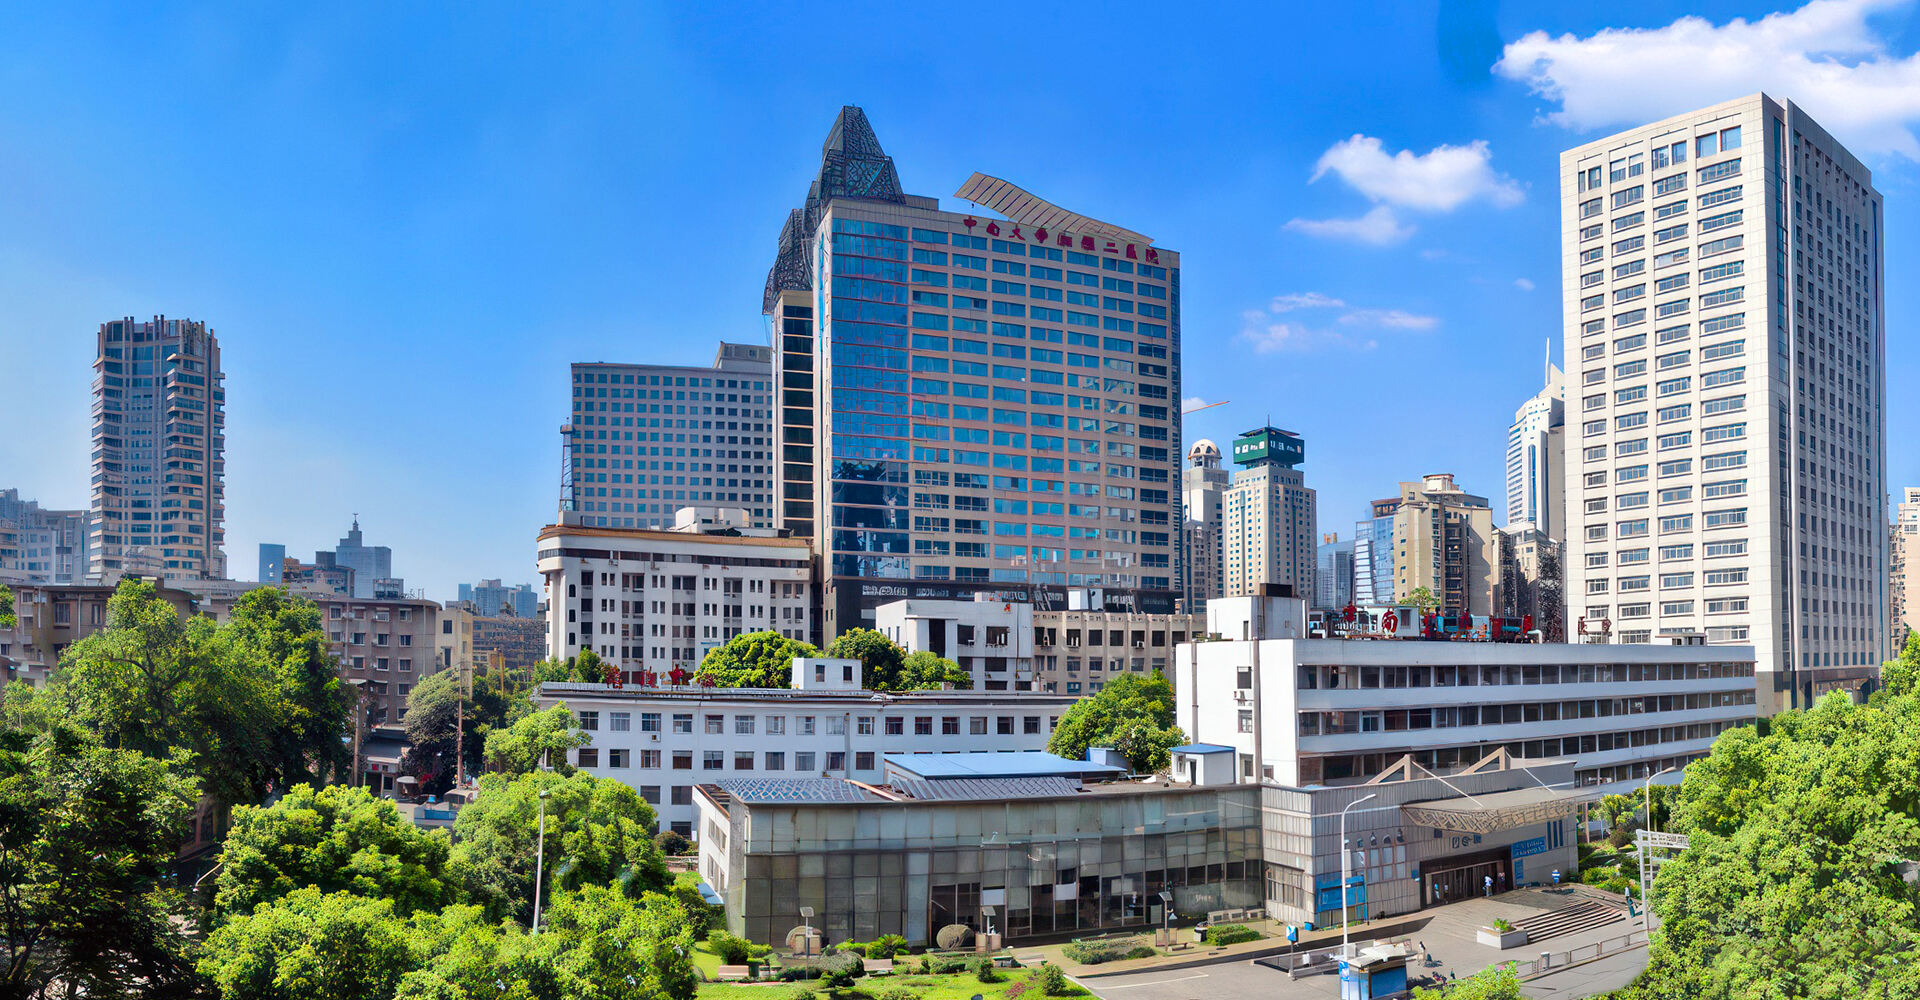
point(1486, 884)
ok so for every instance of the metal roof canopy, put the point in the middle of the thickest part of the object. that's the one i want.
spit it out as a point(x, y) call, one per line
point(792, 791)
point(1025, 207)
point(996, 764)
point(1493, 811)
point(985, 789)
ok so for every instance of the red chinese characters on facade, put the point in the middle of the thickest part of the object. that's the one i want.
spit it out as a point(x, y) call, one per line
point(969, 222)
point(1015, 235)
point(1131, 251)
point(1130, 254)
point(1086, 243)
point(993, 229)
point(1065, 240)
point(1040, 234)
point(1153, 256)
point(678, 675)
point(649, 678)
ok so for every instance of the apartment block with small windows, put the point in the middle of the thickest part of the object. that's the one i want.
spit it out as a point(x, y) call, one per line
point(1725, 347)
point(662, 740)
point(657, 601)
point(384, 647)
point(647, 440)
point(1268, 515)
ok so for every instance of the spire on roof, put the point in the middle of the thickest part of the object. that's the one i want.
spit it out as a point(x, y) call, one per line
point(852, 165)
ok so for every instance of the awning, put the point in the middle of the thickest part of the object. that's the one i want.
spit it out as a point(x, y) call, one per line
point(1494, 811)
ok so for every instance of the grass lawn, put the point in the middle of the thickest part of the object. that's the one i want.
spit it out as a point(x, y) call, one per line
point(706, 961)
point(957, 986)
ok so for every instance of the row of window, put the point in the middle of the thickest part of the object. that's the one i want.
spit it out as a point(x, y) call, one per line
point(715, 724)
point(1671, 553)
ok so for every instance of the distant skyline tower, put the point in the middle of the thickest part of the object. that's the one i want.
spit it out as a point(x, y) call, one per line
point(1268, 517)
point(1203, 482)
point(1726, 339)
point(973, 402)
point(1536, 446)
point(159, 439)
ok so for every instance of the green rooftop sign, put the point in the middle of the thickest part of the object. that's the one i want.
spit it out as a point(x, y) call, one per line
point(1269, 444)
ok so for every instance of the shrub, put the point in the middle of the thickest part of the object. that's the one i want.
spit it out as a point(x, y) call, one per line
point(983, 970)
point(732, 949)
point(898, 993)
point(946, 965)
point(1052, 981)
point(1502, 924)
point(953, 936)
point(1231, 934)
point(837, 972)
point(1098, 952)
point(887, 946)
point(672, 842)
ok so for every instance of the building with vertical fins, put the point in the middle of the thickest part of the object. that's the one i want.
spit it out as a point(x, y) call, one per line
point(159, 440)
point(1267, 521)
point(1536, 446)
point(1725, 352)
point(972, 402)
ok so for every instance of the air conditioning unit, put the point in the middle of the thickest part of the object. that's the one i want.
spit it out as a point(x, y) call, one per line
point(1242, 696)
point(1140, 645)
point(656, 737)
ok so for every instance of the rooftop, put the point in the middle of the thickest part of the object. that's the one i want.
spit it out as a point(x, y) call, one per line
point(996, 764)
point(1008, 700)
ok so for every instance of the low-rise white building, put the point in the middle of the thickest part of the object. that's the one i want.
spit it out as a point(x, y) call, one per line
point(1335, 711)
point(990, 638)
point(647, 600)
point(664, 740)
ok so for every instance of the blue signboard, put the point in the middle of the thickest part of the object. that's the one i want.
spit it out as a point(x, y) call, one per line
point(1528, 848)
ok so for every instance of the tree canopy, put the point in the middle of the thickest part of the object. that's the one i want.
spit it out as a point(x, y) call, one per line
point(87, 838)
point(1133, 714)
point(599, 832)
point(924, 670)
point(542, 738)
point(584, 668)
point(1422, 598)
point(253, 704)
point(1495, 982)
point(754, 660)
point(1799, 835)
point(1900, 676)
point(336, 839)
point(879, 657)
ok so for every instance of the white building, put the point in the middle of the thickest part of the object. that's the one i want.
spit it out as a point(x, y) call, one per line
point(657, 600)
point(1726, 346)
point(665, 740)
point(990, 638)
point(1267, 525)
point(1203, 484)
point(1337, 711)
point(1536, 448)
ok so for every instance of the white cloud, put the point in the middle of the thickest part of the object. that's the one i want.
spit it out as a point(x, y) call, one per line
point(1192, 403)
point(1523, 284)
point(1377, 228)
point(1272, 330)
point(1823, 56)
point(1439, 180)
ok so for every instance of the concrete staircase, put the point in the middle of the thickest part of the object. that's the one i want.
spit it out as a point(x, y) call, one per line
point(1583, 913)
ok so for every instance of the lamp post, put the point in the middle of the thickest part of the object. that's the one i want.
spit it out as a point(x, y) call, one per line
point(806, 936)
point(540, 858)
point(1346, 867)
point(1646, 898)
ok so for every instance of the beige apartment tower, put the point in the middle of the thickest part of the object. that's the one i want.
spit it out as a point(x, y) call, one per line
point(1267, 517)
point(1444, 540)
point(159, 440)
point(1724, 350)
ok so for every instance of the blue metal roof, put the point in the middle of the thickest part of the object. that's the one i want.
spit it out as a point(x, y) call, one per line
point(1203, 748)
point(998, 764)
point(794, 790)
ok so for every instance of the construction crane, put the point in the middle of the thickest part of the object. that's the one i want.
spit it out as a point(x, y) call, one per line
point(1205, 406)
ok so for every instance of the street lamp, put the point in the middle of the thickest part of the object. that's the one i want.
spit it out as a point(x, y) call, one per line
point(806, 935)
point(1166, 914)
point(540, 858)
point(1646, 898)
point(1346, 867)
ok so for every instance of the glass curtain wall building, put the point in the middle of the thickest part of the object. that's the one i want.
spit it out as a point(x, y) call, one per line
point(972, 402)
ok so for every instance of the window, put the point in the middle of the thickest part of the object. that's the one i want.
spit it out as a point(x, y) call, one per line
point(1722, 577)
point(1590, 208)
point(619, 758)
point(1675, 581)
point(1724, 488)
point(1630, 394)
point(1668, 185)
point(1677, 467)
point(1672, 413)
point(863, 760)
point(1719, 272)
point(1672, 283)
point(1629, 369)
point(1669, 210)
point(1673, 360)
point(1725, 404)
point(743, 725)
point(1724, 432)
point(1676, 523)
point(713, 760)
point(589, 757)
point(1727, 460)
point(1629, 293)
point(1668, 335)
point(1726, 296)
point(1721, 221)
point(1632, 244)
point(1629, 196)
point(1670, 233)
point(1628, 221)
point(683, 760)
point(775, 760)
point(1726, 518)
point(1629, 343)
point(836, 760)
point(1669, 553)
point(803, 760)
point(650, 759)
point(1670, 257)
point(1669, 442)
point(622, 722)
point(1725, 244)
point(743, 760)
point(589, 721)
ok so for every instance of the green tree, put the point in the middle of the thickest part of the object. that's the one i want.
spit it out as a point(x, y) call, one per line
point(880, 659)
point(7, 619)
point(585, 668)
point(310, 944)
point(87, 836)
point(597, 944)
point(754, 660)
point(925, 670)
point(1495, 982)
point(542, 738)
point(599, 832)
point(1900, 676)
point(337, 839)
point(434, 730)
point(1423, 599)
point(1792, 881)
point(1133, 714)
point(254, 704)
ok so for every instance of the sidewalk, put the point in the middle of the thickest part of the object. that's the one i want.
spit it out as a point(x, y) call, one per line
point(1274, 943)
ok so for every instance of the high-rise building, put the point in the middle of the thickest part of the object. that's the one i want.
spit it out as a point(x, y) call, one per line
point(1373, 556)
point(973, 403)
point(1203, 483)
point(1724, 329)
point(1536, 446)
point(491, 598)
point(372, 565)
point(273, 564)
point(39, 545)
point(1268, 517)
point(1903, 550)
point(1333, 581)
point(1441, 538)
point(647, 440)
point(159, 440)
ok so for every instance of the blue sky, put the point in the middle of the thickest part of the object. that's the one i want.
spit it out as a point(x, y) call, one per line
point(404, 221)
